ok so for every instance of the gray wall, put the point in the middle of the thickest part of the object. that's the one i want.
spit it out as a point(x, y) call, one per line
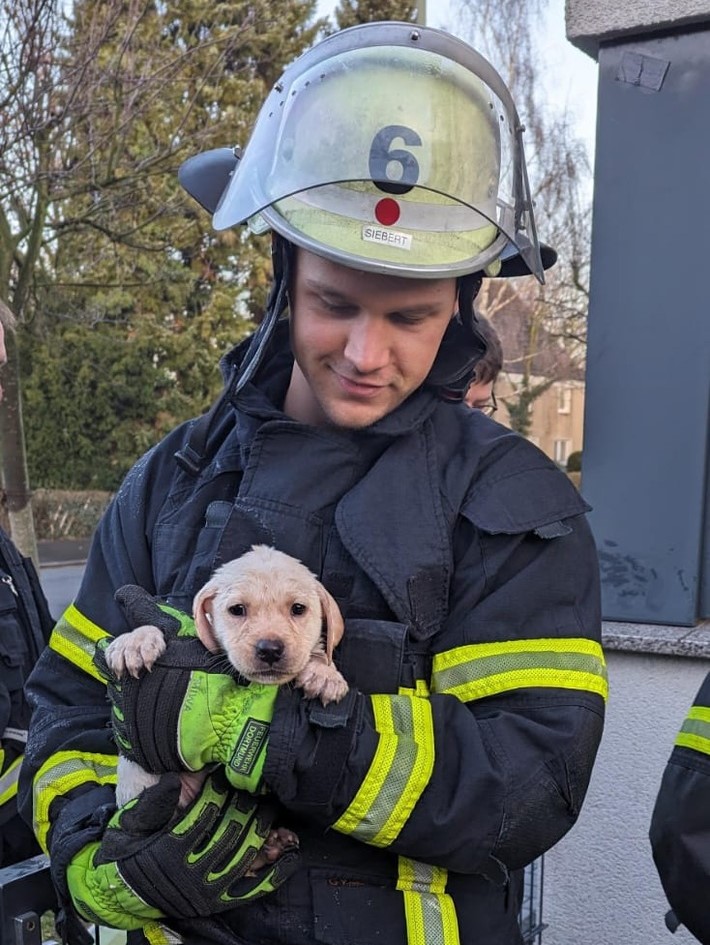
point(601, 886)
point(646, 429)
point(590, 22)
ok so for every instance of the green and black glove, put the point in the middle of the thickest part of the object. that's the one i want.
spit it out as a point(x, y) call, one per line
point(156, 861)
point(184, 714)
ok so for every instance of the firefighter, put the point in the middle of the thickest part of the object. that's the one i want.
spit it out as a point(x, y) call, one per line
point(680, 825)
point(388, 164)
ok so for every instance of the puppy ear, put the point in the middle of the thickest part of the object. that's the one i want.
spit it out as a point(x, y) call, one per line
point(202, 611)
point(334, 626)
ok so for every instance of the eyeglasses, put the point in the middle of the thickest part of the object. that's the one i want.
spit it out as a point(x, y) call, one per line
point(490, 408)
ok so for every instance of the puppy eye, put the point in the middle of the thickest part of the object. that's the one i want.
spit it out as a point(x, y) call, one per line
point(298, 610)
point(238, 610)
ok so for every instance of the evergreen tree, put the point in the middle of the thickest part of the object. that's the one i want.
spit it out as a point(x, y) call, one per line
point(123, 259)
point(353, 12)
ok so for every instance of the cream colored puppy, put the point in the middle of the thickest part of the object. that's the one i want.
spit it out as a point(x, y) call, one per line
point(273, 620)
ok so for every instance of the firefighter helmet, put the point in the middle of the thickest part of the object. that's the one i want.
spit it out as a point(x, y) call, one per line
point(387, 147)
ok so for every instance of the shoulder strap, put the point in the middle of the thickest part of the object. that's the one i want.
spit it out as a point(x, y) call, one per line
point(193, 455)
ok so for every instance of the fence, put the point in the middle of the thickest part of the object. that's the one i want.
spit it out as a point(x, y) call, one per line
point(531, 923)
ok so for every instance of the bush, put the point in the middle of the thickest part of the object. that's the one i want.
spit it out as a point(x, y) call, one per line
point(574, 461)
point(63, 514)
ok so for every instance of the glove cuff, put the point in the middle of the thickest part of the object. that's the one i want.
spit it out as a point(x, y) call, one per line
point(101, 895)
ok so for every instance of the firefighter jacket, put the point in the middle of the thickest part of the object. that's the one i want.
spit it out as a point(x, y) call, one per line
point(680, 825)
point(463, 564)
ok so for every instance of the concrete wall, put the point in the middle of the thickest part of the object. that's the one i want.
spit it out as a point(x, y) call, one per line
point(590, 22)
point(601, 886)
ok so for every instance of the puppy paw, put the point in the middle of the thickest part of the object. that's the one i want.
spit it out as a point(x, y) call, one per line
point(133, 652)
point(322, 681)
point(278, 841)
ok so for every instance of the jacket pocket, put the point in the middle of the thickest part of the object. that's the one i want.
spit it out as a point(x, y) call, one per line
point(533, 500)
point(14, 653)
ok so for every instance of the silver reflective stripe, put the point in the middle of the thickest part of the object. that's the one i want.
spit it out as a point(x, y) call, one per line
point(429, 910)
point(8, 781)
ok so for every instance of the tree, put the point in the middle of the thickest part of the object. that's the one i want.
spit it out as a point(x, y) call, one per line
point(534, 358)
point(354, 12)
point(98, 111)
point(558, 166)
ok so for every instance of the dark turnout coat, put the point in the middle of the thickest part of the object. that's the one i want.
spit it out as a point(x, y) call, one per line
point(680, 826)
point(465, 570)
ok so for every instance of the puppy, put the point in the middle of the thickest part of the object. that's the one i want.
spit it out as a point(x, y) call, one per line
point(273, 621)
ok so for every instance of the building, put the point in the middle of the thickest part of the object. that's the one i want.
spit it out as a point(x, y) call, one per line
point(557, 415)
point(539, 367)
point(646, 435)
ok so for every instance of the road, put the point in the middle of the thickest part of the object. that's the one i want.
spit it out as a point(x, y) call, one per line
point(60, 583)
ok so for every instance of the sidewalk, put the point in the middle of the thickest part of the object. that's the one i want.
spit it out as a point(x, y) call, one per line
point(63, 551)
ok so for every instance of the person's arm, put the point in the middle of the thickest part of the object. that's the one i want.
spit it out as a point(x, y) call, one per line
point(489, 770)
point(680, 825)
point(133, 866)
point(67, 780)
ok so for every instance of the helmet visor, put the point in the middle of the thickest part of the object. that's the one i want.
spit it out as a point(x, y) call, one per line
point(389, 157)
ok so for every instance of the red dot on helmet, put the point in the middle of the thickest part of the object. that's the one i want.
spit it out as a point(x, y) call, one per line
point(387, 211)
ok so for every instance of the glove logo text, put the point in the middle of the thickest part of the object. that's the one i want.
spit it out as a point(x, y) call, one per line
point(249, 746)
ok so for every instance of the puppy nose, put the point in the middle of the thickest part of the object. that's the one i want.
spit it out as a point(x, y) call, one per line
point(269, 651)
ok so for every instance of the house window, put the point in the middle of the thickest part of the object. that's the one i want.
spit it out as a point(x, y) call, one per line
point(561, 451)
point(564, 399)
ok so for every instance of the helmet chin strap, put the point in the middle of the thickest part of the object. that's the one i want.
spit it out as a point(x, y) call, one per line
point(282, 261)
point(462, 346)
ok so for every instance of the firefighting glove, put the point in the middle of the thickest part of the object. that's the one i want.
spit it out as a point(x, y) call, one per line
point(156, 861)
point(184, 714)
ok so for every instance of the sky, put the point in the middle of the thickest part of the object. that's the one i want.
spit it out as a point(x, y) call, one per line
point(571, 75)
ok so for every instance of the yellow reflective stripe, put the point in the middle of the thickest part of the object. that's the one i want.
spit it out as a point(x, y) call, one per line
point(429, 911)
point(74, 637)
point(695, 731)
point(160, 934)
point(398, 774)
point(486, 669)
point(59, 775)
point(8, 781)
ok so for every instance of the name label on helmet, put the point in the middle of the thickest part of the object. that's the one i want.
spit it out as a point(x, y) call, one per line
point(374, 234)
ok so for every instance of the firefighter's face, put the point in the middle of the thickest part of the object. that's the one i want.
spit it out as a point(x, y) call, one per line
point(363, 342)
